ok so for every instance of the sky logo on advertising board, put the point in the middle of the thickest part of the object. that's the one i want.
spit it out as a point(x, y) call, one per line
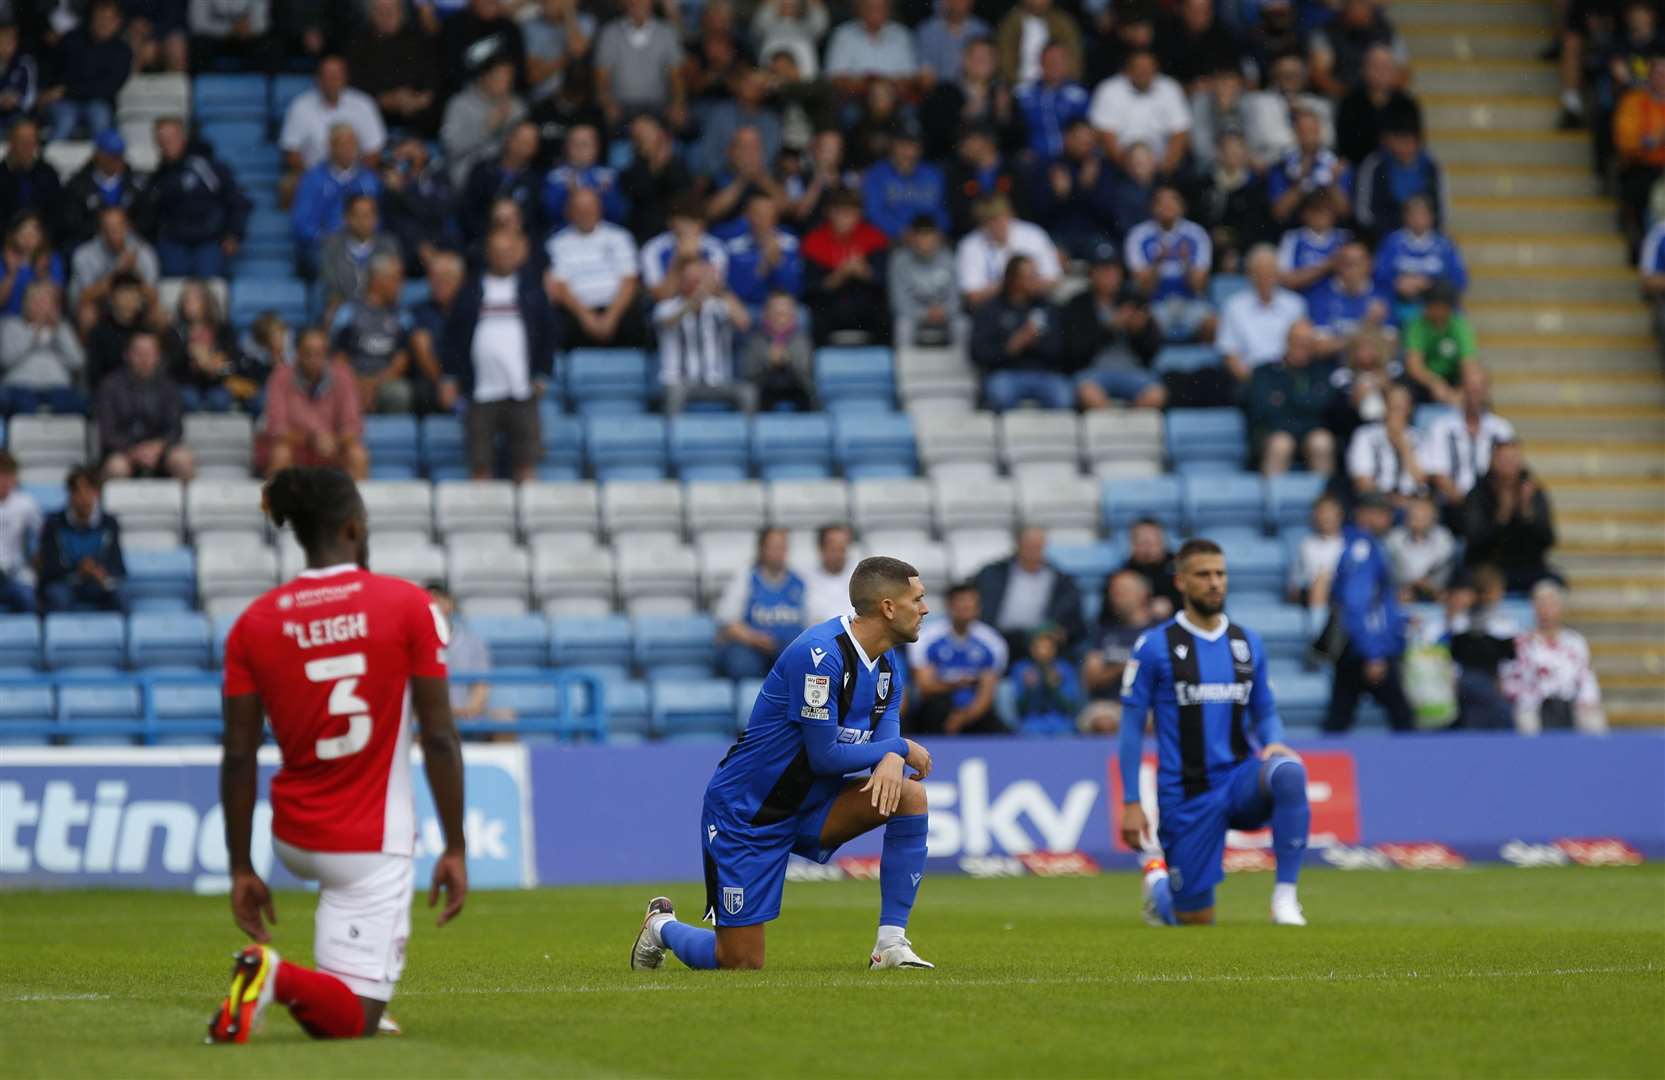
point(965, 820)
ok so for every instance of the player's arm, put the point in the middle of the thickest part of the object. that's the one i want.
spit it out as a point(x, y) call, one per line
point(1264, 711)
point(890, 727)
point(239, 788)
point(1138, 693)
point(442, 760)
point(813, 704)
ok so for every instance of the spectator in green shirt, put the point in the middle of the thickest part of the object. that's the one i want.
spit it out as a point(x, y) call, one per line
point(1437, 345)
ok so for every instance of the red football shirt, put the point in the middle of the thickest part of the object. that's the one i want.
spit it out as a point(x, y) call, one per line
point(331, 655)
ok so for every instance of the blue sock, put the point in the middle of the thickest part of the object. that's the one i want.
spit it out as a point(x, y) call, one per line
point(901, 868)
point(1291, 817)
point(694, 945)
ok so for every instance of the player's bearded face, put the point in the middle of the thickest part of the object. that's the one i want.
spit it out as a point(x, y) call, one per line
point(1202, 581)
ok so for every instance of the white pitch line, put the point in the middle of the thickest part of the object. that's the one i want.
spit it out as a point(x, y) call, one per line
point(1082, 980)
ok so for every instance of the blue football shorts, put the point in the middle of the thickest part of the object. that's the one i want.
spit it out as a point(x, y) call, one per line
point(745, 868)
point(1193, 834)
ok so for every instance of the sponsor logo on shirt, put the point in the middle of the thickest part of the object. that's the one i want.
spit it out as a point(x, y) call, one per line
point(327, 594)
point(817, 688)
point(1233, 693)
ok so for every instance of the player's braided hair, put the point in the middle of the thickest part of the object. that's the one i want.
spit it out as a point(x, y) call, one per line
point(315, 502)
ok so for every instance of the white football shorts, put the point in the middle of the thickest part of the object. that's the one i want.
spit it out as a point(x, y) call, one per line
point(363, 919)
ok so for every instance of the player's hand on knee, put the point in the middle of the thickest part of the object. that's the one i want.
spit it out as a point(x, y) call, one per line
point(919, 759)
point(885, 785)
point(250, 899)
point(1278, 749)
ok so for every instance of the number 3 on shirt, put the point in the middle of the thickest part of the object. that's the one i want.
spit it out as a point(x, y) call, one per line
point(345, 672)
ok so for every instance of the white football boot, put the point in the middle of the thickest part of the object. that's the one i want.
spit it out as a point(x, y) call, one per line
point(898, 954)
point(1286, 911)
point(645, 955)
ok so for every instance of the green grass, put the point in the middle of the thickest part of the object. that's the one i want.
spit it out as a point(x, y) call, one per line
point(1494, 972)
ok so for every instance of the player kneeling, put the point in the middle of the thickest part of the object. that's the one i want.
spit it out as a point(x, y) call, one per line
point(1205, 677)
point(830, 707)
point(329, 659)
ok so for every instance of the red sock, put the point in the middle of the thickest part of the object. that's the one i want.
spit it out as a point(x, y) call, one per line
point(321, 1003)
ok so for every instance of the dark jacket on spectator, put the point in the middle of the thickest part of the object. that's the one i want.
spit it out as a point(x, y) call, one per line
point(1282, 398)
point(966, 185)
point(1063, 607)
point(132, 410)
point(1086, 335)
point(465, 29)
point(421, 211)
point(649, 193)
point(35, 188)
point(1517, 546)
point(106, 345)
point(1085, 209)
point(407, 60)
point(542, 334)
point(64, 543)
point(487, 182)
point(84, 199)
point(1379, 208)
point(997, 320)
point(21, 77)
point(1359, 122)
point(91, 70)
point(193, 201)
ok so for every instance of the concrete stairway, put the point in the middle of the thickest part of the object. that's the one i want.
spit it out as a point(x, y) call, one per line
point(1555, 305)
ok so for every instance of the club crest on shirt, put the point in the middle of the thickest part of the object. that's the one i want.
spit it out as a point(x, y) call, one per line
point(1240, 650)
point(733, 899)
point(1181, 651)
point(817, 688)
point(881, 689)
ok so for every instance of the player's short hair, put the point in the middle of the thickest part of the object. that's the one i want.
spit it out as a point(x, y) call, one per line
point(315, 502)
point(1197, 545)
point(877, 578)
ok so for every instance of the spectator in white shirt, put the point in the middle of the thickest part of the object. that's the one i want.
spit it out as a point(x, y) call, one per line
point(1550, 680)
point(1458, 448)
point(1141, 105)
point(1318, 555)
point(1387, 456)
point(20, 522)
point(592, 279)
point(870, 45)
point(1254, 324)
point(827, 583)
point(980, 262)
point(306, 126)
point(1269, 114)
point(1422, 551)
point(696, 327)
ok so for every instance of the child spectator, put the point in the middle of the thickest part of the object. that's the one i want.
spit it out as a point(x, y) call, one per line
point(924, 297)
point(1413, 258)
point(1048, 687)
point(1482, 642)
point(777, 358)
point(1170, 258)
point(1438, 342)
point(696, 328)
point(1307, 256)
point(1317, 557)
point(1422, 550)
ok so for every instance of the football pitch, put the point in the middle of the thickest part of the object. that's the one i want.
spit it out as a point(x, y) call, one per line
point(1479, 972)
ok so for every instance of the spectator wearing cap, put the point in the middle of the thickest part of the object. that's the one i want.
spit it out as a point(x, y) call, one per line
point(91, 63)
point(924, 296)
point(117, 249)
point(592, 279)
point(41, 357)
point(980, 261)
point(1114, 339)
point(308, 135)
point(1271, 115)
point(904, 186)
point(508, 175)
point(1018, 345)
point(1439, 343)
point(321, 198)
point(764, 258)
point(1073, 195)
point(394, 61)
point(1507, 520)
point(1372, 623)
point(1286, 402)
point(1170, 258)
point(1231, 202)
point(942, 38)
point(27, 182)
point(1391, 178)
point(1142, 106)
point(581, 167)
point(192, 206)
point(870, 46)
point(748, 107)
point(1051, 103)
point(1348, 302)
point(479, 118)
point(1550, 683)
point(977, 172)
point(1458, 446)
point(1255, 323)
point(1378, 103)
point(1306, 167)
point(500, 344)
point(482, 29)
point(105, 180)
point(638, 68)
point(1024, 33)
point(312, 413)
point(79, 566)
point(1411, 259)
point(844, 273)
point(140, 414)
point(19, 78)
point(685, 235)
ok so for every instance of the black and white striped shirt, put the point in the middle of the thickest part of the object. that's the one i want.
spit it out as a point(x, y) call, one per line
point(1372, 455)
point(1451, 449)
point(696, 344)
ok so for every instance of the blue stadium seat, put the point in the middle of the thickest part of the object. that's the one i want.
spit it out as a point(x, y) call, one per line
point(1223, 287)
point(285, 89)
point(884, 439)
point(251, 296)
point(28, 713)
point(1228, 499)
point(1258, 568)
point(563, 444)
point(795, 446)
point(1289, 499)
point(1283, 627)
point(688, 642)
point(442, 444)
point(607, 380)
point(693, 708)
point(230, 135)
point(1127, 499)
point(187, 712)
point(1183, 358)
point(222, 97)
point(629, 711)
point(625, 447)
point(222, 630)
point(1303, 697)
point(392, 443)
point(20, 641)
point(184, 639)
point(100, 714)
point(50, 497)
point(603, 640)
point(168, 574)
point(514, 640)
point(710, 446)
point(1088, 564)
point(1213, 435)
point(80, 640)
point(842, 373)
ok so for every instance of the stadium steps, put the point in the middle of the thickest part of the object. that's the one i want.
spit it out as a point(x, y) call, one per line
point(1555, 306)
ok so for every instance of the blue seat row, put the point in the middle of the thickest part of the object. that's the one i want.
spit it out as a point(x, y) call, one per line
point(611, 381)
point(1201, 502)
point(176, 639)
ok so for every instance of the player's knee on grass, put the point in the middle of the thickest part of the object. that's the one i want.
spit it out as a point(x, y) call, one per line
point(373, 1010)
point(1200, 917)
point(913, 799)
point(740, 948)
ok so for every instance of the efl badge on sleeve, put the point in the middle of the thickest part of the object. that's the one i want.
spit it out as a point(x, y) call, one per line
point(733, 899)
point(816, 690)
point(882, 689)
point(1240, 650)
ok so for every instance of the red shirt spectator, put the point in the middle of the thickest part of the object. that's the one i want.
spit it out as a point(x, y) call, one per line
point(312, 413)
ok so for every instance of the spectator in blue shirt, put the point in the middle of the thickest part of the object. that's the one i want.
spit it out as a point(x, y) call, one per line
point(1073, 196)
point(903, 186)
point(764, 259)
point(321, 198)
point(761, 610)
point(1411, 259)
point(941, 39)
point(1051, 103)
point(1170, 258)
point(1349, 302)
point(1307, 167)
point(1307, 255)
point(1388, 179)
point(1367, 605)
point(79, 566)
point(954, 670)
point(581, 167)
point(1048, 686)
